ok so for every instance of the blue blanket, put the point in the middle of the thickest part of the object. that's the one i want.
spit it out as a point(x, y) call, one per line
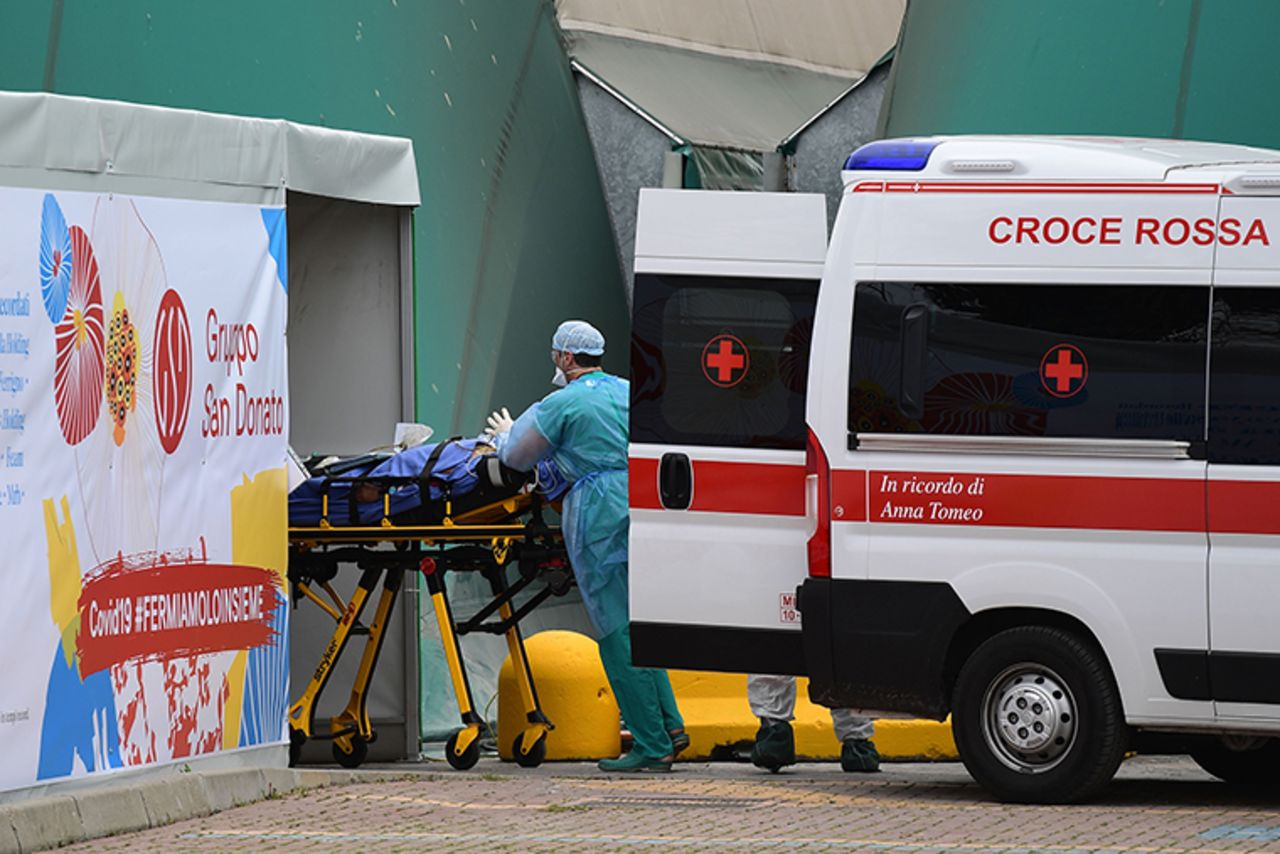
point(454, 468)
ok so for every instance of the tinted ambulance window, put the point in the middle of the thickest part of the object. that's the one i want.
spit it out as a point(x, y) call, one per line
point(720, 360)
point(1087, 361)
point(1244, 383)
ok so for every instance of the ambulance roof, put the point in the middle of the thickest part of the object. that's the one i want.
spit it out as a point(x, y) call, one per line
point(1053, 158)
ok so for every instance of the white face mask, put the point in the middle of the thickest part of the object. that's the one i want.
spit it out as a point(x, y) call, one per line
point(558, 379)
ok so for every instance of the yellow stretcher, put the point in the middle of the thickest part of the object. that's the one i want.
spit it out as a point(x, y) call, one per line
point(485, 538)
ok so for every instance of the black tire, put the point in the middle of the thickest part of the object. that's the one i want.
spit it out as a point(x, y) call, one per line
point(1239, 761)
point(1037, 717)
point(536, 754)
point(469, 757)
point(354, 759)
point(296, 740)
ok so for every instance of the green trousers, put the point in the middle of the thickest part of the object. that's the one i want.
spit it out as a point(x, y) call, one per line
point(644, 696)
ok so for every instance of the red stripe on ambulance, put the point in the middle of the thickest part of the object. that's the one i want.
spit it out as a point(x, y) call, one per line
point(1037, 501)
point(766, 489)
point(642, 484)
point(848, 496)
point(968, 498)
point(1073, 187)
point(1244, 507)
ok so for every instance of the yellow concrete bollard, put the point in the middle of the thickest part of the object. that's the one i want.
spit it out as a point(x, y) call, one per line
point(574, 694)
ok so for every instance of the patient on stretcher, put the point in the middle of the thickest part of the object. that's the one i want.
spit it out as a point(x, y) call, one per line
point(466, 472)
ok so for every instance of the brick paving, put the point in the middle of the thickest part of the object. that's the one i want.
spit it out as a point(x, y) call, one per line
point(1155, 805)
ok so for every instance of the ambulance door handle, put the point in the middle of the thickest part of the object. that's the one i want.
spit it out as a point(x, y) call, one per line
point(675, 481)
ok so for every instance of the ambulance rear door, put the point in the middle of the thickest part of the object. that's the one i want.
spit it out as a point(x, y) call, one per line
point(725, 290)
point(1243, 660)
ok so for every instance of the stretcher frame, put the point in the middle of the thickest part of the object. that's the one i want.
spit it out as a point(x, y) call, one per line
point(483, 539)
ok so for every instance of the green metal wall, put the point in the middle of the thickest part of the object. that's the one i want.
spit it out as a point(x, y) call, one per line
point(512, 235)
point(1161, 68)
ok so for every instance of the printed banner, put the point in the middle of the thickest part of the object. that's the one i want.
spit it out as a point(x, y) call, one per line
point(142, 485)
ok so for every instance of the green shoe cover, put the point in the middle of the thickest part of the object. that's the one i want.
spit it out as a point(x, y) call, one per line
point(859, 754)
point(633, 763)
point(775, 745)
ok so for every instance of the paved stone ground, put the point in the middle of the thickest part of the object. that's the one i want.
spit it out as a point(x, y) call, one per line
point(1155, 804)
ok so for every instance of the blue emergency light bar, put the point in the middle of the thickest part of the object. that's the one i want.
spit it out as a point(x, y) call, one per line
point(905, 155)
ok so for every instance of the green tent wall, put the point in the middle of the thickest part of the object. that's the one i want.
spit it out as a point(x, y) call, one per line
point(512, 235)
point(1160, 68)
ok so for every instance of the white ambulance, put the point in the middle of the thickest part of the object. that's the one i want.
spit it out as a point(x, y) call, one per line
point(1019, 450)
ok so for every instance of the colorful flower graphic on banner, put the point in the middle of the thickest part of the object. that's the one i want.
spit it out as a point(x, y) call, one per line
point(121, 466)
point(122, 367)
point(78, 337)
point(55, 259)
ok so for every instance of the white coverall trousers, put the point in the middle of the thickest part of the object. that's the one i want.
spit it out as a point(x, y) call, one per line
point(775, 697)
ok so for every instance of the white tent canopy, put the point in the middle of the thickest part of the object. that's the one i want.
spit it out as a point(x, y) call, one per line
point(61, 142)
point(744, 74)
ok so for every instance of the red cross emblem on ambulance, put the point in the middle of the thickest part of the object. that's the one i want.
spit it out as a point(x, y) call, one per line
point(725, 361)
point(1064, 370)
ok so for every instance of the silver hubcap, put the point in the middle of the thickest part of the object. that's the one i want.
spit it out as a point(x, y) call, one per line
point(1029, 718)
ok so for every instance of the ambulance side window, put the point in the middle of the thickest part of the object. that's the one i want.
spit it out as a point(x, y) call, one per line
point(720, 360)
point(1081, 361)
point(1244, 383)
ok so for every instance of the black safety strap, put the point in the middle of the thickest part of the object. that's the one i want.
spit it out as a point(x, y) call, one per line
point(426, 475)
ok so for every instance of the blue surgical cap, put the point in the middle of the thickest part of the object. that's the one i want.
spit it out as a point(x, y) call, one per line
point(578, 336)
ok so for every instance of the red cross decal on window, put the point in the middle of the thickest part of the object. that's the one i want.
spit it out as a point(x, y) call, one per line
point(1064, 370)
point(725, 361)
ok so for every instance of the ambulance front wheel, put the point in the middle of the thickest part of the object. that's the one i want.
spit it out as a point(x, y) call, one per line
point(1037, 716)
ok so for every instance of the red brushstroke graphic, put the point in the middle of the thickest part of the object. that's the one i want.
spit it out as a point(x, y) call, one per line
point(137, 739)
point(188, 685)
point(155, 608)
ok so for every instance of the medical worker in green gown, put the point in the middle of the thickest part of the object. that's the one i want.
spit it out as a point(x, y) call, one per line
point(583, 427)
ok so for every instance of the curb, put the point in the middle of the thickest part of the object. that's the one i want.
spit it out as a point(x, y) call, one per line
point(43, 823)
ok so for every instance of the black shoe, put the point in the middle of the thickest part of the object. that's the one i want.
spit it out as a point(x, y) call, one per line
point(775, 745)
point(859, 755)
point(679, 741)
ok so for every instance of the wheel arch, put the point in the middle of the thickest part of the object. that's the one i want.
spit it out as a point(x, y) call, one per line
point(989, 623)
point(1000, 596)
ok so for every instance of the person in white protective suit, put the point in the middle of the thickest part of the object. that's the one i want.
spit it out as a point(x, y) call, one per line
point(584, 428)
point(773, 701)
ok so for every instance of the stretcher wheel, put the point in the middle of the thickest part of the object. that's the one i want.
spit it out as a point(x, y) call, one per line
point(359, 752)
point(469, 757)
point(296, 740)
point(536, 754)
